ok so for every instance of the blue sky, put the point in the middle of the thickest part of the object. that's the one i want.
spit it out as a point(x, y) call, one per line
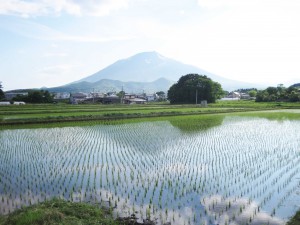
point(54, 42)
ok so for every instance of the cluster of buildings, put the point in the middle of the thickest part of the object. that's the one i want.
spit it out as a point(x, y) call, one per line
point(107, 98)
point(93, 97)
point(113, 98)
point(234, 95)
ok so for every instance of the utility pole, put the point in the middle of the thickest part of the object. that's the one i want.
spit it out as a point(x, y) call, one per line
point(197, 86)
point(122, 95)
point(93, 95)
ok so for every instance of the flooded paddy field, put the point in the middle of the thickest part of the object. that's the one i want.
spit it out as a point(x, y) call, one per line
point(208, 169)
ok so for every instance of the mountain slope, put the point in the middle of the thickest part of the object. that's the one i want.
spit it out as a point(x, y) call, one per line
point(150, 66)
point(107, 85)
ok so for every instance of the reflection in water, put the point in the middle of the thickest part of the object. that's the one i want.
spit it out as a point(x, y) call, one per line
point(274, 115)
point(197, 123)
point(237, 211)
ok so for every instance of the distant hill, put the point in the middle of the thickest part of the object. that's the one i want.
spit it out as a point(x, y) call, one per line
point(107, 85)
point(151, 66)
point(296, 85)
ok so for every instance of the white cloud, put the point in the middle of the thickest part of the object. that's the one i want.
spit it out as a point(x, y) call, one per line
point(38, 8)
point(253, 41)
point(102, 7)
point(38, 31)
point(211, 4)
point(34, 8)
point(92, 38)
point(56, 69)
point(216, 206)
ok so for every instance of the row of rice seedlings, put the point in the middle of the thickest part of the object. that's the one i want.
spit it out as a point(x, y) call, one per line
point(154, 170)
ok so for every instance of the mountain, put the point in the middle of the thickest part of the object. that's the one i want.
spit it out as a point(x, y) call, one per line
point(107, 85)
point(151, 66)
point(297, 85)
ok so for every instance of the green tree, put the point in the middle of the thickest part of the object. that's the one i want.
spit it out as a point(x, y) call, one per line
point(161, 93)
point(193, 86)
point(261, 96)
point(2, 95)
point(121, 94)
point(252, 93)
point(279, 93)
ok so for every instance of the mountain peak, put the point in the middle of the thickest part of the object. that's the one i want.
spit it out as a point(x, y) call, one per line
point(147, 54)
point(150, 66)
point(147, 57)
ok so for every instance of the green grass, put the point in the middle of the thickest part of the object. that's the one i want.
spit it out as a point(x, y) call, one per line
point(295, 220)
point(58, 212)
point(49, 113)
point(257, 105)
point(186, 123)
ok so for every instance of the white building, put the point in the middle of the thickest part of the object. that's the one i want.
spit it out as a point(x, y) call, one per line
point(19, 103)
point(61, 95)
point(4, 103)
point(234, 94)
point(151, 98)
point(133, 99)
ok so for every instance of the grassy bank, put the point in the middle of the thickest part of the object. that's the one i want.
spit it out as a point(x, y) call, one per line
point(59, 212)
point(33, 114)
point(295, 220)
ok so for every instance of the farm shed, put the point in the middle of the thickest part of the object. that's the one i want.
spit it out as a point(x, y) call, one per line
point(4, 103)
point(19, 103)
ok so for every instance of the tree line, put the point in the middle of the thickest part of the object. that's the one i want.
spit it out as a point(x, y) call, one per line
point(279, 93)
point(35, 96)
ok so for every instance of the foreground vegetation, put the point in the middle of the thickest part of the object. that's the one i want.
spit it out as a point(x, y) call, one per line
point(59, 212)
point(295, 220)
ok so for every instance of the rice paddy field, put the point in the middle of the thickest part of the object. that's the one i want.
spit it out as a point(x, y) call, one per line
point(229, 168)
point(30, 114)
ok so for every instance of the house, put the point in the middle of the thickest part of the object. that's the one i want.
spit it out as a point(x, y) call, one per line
point(77, 97)
point(134, 101)
point(151, 98)
point(245, 96)
point(129, 96)
point(234, 94)
point(61, 95)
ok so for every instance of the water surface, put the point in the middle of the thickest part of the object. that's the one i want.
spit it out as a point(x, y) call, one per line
point(232, 169)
